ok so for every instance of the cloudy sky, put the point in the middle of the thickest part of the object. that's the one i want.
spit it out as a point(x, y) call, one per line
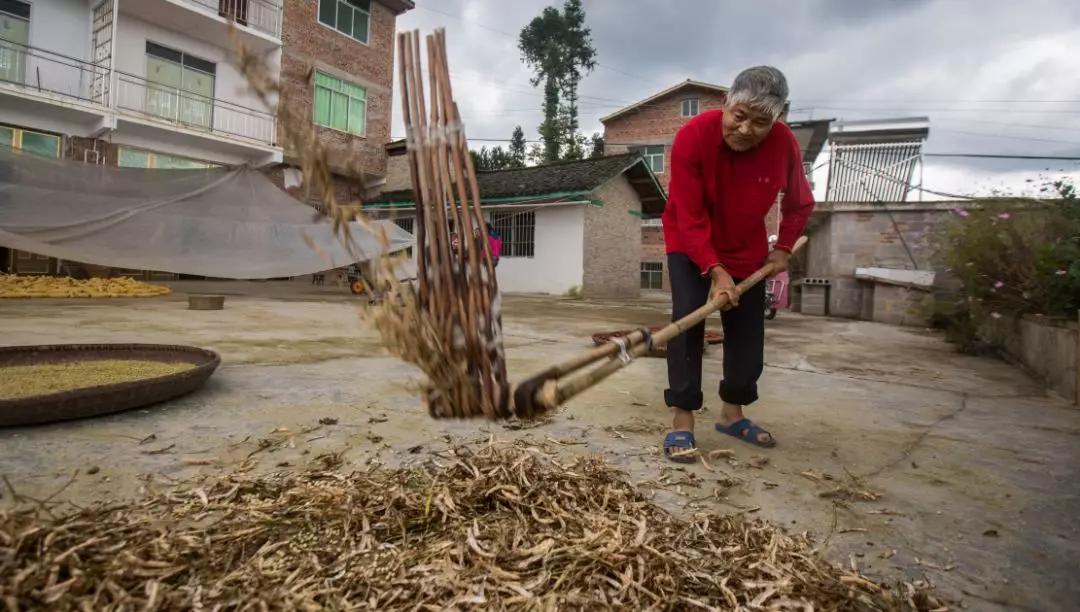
point(993, 76)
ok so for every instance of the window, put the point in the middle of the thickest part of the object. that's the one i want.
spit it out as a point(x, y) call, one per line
point(350, 17)
point(406, 223)
point(32, 142)
point(14, 36)
point(180, 87)
point(339, 104)
point(518, 232)
point(654, 156)
point(652, 275)
point(689, 107)
point(138, 158)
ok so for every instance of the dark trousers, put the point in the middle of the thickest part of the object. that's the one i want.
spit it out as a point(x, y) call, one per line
point(744, 340)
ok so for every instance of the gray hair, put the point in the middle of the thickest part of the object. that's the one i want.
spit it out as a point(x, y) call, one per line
point(762, 88)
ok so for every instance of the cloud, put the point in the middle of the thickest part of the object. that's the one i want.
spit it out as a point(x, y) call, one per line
point(963, 63)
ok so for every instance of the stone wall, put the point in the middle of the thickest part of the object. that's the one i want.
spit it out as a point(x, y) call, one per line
point(895, 304)
point(612, 249)
point(845, 236)
point(1045, 346)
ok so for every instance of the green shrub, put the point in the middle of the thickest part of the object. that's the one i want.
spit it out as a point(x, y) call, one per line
point(1012, 261)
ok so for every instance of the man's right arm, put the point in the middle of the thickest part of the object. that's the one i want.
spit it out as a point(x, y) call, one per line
point(693, 222)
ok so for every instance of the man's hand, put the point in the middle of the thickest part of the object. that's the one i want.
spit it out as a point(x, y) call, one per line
point(779, 259)
point(722, 283)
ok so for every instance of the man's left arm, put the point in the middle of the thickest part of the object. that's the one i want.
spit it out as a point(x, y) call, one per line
point(795, 208)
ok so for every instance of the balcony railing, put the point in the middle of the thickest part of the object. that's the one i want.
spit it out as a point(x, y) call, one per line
point(52, 74)
point(190, 110)
point(263, 15)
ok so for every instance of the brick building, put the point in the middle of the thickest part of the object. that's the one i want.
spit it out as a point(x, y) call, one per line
point(337, 66)
point(648, 128)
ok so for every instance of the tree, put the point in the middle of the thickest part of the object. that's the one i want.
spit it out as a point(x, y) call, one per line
point(495, 158)
point(480, 159)
point(536, 154)
point(575, 147)
point(597, 145)
point(558, 47)
point(501, 159)
point(517, 148)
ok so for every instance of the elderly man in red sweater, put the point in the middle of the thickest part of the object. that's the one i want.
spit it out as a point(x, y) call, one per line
point(728, 168)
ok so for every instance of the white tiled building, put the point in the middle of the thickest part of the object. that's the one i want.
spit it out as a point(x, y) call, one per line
point(143, 83)
point(148, 76)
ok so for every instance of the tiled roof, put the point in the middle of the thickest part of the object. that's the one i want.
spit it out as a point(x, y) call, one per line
point(564, 177)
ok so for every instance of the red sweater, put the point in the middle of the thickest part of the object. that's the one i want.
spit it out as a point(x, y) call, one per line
point(719, 198)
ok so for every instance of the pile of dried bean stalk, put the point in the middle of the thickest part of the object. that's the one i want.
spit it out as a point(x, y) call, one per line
point(492, 527)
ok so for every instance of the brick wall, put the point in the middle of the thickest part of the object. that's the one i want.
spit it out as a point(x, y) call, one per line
point(847, 236)
point(656, 123)
point(310, 45)
point(397, 173)
point(612, 251)
point(652, 249)
point(346, 189)
point(91, 150)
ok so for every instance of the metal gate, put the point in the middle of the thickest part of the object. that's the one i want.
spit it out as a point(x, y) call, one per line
point(101, 43)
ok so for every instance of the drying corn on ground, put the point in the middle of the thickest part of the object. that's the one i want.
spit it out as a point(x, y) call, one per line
point(15, 286)
point(485, 526)
point(28, 380)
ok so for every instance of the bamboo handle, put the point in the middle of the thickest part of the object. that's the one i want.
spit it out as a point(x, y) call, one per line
point(549, 392)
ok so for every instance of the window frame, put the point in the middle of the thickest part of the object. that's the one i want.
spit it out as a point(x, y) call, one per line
point(184, 96)
point(697, 107)
point(652, 275)
point(21, 80)
point(17, 134)
point(645, 153)
point(351, 99)
point(515, 246)
point(318, 19)
point(152, 157)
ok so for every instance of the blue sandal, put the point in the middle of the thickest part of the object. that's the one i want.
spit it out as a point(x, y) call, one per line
point(747, 431)
point(677, 443)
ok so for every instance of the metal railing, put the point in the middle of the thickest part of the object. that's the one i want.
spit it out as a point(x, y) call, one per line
point(263, 15)
point(190, 110)
point(52, 74)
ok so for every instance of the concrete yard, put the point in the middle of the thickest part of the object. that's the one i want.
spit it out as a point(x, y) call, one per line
point(975, 464)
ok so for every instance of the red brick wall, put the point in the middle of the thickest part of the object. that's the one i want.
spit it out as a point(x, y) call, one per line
point(656, 123)
point(652, 249)
point(310, 45)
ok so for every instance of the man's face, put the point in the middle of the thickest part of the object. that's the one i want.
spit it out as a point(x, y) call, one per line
point(745, 127)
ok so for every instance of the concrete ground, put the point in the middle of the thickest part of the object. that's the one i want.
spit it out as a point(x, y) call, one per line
point(975, 466)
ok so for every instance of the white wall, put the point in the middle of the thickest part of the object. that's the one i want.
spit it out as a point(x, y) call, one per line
point(558, 261)
point(62, 27)
point(229, 84)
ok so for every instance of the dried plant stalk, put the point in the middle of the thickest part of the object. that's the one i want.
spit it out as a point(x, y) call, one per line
point(451, 327)
point(494, 527)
